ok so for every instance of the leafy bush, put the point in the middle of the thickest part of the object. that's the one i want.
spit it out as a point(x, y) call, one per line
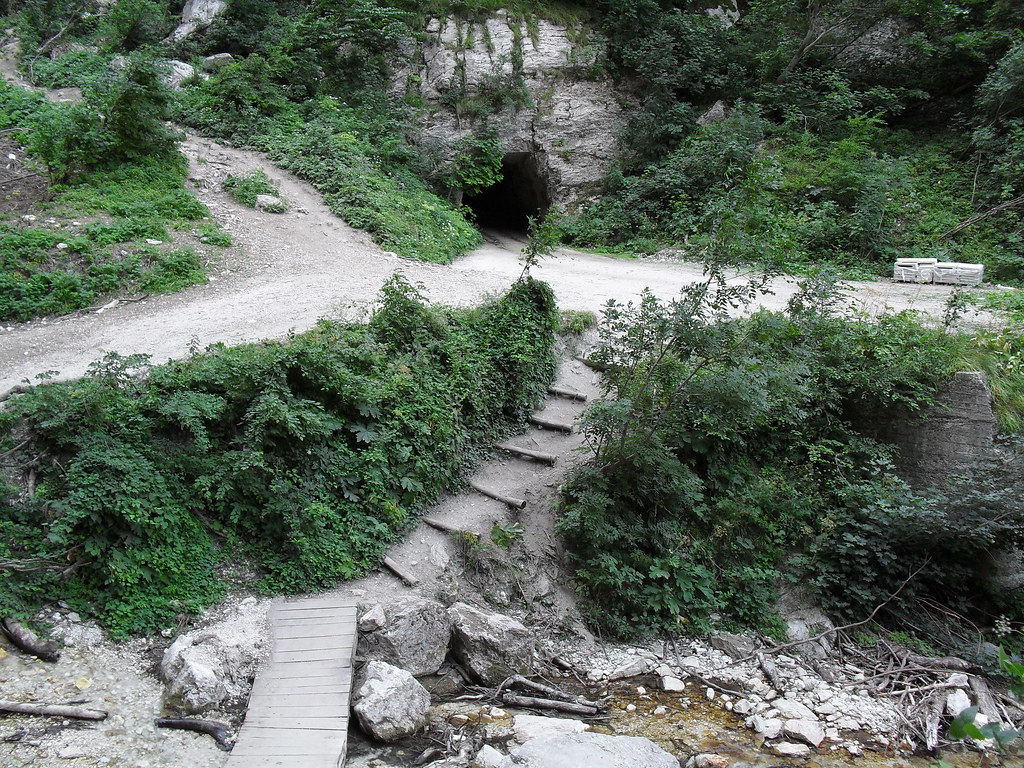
point(245, 189)
point(392, 205)
point(729, 448)
point(308, 455)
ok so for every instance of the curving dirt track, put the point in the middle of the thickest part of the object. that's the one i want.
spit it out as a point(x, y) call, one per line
point(285, 271)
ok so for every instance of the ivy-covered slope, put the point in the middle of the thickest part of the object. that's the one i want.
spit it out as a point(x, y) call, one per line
point(308, 456)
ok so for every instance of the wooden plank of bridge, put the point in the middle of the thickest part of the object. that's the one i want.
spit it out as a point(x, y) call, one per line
point(299, 705)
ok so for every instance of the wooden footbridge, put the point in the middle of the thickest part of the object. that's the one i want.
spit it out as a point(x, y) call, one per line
point(299, 706)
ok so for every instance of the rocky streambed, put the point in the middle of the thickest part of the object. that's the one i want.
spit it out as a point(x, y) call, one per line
point(720, 701)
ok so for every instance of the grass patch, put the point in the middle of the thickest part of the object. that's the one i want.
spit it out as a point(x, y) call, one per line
point(61, 267)
point(245, 189)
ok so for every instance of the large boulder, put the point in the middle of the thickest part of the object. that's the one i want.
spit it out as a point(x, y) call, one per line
point(210, 668)
point(176, 73)
point(389, 702)
point(414, 635)
point(593, 750)
point(198, 14)
point(490, 645)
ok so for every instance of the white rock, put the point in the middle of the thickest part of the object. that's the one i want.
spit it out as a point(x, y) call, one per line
point(488, 757)
point(527, 727)
point(673, 684)
point(743, 707)
point(372, 619)
point(768, 727)
point(793, 710)
point(631, 668)
point(956, 702)
point(958, 680)
point(807, 731)
point(590, 750)
point(389, 703)
point(789, 749)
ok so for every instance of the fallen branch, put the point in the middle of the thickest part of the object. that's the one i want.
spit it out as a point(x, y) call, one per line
point(396, 569)
point(547, 690)
point(569, 393)
point(982, 216)
point(497, 495)
point(932, 710)
point(17, 178)
point(220, 732)
point(986, 702)
point(770, 671)
point(918, 689)
point(29, 565)
point(561, 706)
point(833, 630)
point(52, 710)
point(28, 641)
point(538, 455)
point(18, 447)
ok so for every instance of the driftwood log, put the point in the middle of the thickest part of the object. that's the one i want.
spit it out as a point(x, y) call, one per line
point(220, 732)
point(770, 671)
point(52, 710)
point(538, 455)
point(547, 690)
point(27, 640)
point(486, 491)
point(560, 706)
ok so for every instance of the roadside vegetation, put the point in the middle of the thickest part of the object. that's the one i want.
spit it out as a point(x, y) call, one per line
point(109, 202)
point(732, 456)
point(130, 491)
point(728, 459)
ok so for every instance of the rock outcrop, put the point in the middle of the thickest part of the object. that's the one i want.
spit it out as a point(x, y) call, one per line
point(528, 82)
point(414, 635)
point(198, 14)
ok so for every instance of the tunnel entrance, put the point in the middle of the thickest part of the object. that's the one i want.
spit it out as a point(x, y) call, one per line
point(521, 193)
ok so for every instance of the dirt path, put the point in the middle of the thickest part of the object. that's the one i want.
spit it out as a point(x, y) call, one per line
point(285, 271)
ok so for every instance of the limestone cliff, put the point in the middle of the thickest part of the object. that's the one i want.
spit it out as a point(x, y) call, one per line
point(533, 83)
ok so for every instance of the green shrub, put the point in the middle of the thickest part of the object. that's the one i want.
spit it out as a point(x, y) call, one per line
point(308, 455)
point(245, 189)
point(728, 456)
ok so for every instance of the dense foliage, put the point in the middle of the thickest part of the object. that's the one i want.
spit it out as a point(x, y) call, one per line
point(732, 454)
point(118, 195)
point(851, 133)
point(308, 455)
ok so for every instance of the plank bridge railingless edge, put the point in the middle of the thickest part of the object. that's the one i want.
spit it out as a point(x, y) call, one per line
point(299, 706)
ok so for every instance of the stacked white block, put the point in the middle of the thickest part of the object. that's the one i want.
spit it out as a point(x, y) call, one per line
point(914, 270)
point(955, 273)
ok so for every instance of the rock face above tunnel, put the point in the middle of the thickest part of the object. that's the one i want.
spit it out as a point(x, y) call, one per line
point(529, 83)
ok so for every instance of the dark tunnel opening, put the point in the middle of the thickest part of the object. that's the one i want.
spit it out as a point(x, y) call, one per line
point(520, 194)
